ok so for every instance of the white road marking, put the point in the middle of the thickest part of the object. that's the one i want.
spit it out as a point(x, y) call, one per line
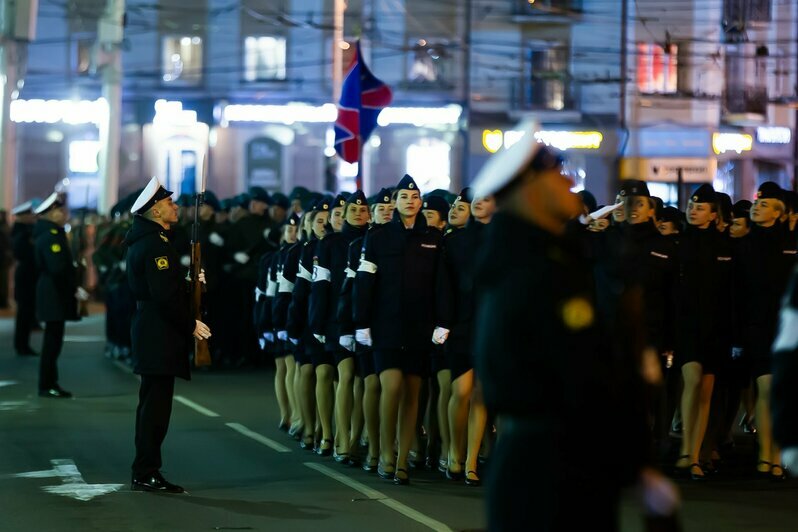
point(260, 438)
point(72, 483)
point(78, 338)
point(7, 383)
point(199, 408)
point(381, 498)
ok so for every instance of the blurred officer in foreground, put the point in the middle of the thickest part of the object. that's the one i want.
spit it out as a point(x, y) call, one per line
point(784, 400)
point(546, 363)
point(57, 290)
point(24, 276)
point(161, 331)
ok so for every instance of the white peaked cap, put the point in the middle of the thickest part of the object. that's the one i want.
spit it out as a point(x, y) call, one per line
point(26, 207)
point(45, 206)
point(149, 192)
point(503, 167)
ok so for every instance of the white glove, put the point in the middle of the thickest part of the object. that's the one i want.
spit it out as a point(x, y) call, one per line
point(660, 495)
point(202, 276)
point(241, 257)
point(122, 265)
point(201, 331)
point(262, 343)
point(216, 239)
point(789, 457)
point(266, 232)
point(320, 338)
point(737, 352)
point(440, 335)
point(294, 341)
point(282, 335)
point(269, 337)
point(363, 337)
point(347, 341)
point(185, 260)
point(81, 294)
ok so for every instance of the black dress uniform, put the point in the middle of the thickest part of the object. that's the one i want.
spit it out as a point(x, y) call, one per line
point(784, 400)
point(25, 275)
point(287, 279)
point(297, 320)
point(162, 334)
point(55, 295)
point(394, 292)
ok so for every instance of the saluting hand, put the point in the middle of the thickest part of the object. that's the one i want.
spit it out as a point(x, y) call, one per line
point(201, 331)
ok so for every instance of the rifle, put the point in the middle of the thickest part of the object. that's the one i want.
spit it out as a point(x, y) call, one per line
point(202, 354)
point(83, 306)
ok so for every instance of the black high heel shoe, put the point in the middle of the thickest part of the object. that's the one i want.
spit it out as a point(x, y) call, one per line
point(471, 479)
point(455, 475)
point(370, 464)
point(306, 444)
point(386, 472)
point(698, 477)
point(777, 476)
point(401, 478)
point(325, 451)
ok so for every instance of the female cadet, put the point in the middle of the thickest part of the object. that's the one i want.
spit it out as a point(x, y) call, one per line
point(297, 329)
point(381, 213)
point(287, 278)
point(766, 258)
point(705, 263)
point(329, 272)
point(393, 297)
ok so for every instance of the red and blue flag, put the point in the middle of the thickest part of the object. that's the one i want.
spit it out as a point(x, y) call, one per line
point(363, 96)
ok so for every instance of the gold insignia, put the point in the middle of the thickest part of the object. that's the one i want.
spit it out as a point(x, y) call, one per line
point(623, 193)
point(695, 198)
point(162, 263)
point(55, 248)
point(163, 237)
point(410, 186)
point(325, 207)
point(386, 199)
point(358, 202)
point(459, 198)
point(54, 231)
point(577, 313)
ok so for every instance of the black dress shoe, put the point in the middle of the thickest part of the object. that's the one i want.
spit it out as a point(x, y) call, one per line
point(155, 482)
point(56, 393)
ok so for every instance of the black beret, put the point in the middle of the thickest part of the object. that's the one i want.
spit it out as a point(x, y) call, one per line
point(724, 205)
point(292, 220)
point(704, 194)
point(466, 195)
point(741, 209)
point(634, 187)
point(383, 197)
point(227, 204)
point(281, 200)
point(325, 203)
point(407, 183)
point(439, 204)
point(299, 193)
point(212, 201)
point(589, 200)
point(339, 201)
point(259, 194)
point(770, 190)
point(358, 198)
point(672, 214)
point(659, 207)
point(242, 200)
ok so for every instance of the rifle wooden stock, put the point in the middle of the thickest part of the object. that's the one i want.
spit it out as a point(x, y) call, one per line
point(202, 354)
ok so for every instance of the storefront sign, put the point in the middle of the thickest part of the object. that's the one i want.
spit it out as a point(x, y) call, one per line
point(773, 135)
point(736, 142)
point(172, 114)
point(670, 143)
point(264, 163)
point(494, 140)
point(54, 111)
point(694, 170)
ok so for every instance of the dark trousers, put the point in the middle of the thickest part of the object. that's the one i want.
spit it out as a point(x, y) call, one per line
point(152, 422)
point(51, 348)
point(23, 324)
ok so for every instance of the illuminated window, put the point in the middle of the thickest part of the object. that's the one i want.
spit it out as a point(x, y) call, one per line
point(549, 79)
point(182, 59)
point(656, 68)
point(83, 156)
point(428, 161)
point(430, 63)
point(264, 58)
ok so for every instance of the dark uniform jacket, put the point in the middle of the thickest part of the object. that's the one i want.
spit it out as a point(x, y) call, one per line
point(57, 282)
point(286, 279)
point(329, 272)
point(394, 292)
point(784, 400)
point(298, 308)
point(163, 325)
point(455, 286)
point(544, 357)
point(346, 322)
point(248, 235)
point(25, 273)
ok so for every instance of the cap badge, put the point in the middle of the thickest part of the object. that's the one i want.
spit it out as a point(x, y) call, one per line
point(623, 193)
point(386, 199)
point(759, 194)
point(426, 205)
point(325, 206)
point(695, 198)
point(55, 248)
point(410, 186)
point(162, 263)
point(577, 313)
point(54, 231)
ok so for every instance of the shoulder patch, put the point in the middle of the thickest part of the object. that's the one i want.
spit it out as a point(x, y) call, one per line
point(577, 313)
point(659, 255)
point(162, 263)
point(429, 246)
point(53, 231)
point(55, 248)
point(163, 237)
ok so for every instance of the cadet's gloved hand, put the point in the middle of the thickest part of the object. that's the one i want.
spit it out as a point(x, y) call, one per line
point(660, 495)
point(440, 335)
point(122, 266)
point(321, 339)
point(282, 335)
point(202, 276)
point(262, 343)
point(216, 239)
point(737, 352)
point(258, 293)
point(185, 260)
point(363, 337)
point(266, 232)
point(269, 337)
point(294, 341)
point(347, 341)
point(241, 257)
point(81, 294)
point(201, 331)
point(789, 458)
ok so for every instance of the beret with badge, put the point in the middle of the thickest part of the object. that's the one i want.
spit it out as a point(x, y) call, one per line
point(438, 204)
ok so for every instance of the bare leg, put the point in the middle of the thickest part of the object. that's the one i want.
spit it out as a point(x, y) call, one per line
point(692, 373)
point(702, 420)
point(391, 383)
point(444, 396)
point(343, 403)
point(764, 424)
point(371, 411)
point(307, 399)
point(462, 387)
point(477, 417)
point(357, 414)
point(281, 391)
point(290, 378)
point(324, 399)
point(408, 412)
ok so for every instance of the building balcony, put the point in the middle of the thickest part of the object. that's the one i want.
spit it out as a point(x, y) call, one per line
point(546, 10)
point(552, 97)
point(745, 105)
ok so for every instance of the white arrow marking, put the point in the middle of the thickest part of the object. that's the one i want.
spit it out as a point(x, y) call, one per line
point(73, 484)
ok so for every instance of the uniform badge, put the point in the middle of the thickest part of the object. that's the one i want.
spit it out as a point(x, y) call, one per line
point(163, 237)
point(162, 263)
point(55, 248)
point(53, 231)
point(410, 186)
point(695, 199)
point(577, 313)
point(426, 205)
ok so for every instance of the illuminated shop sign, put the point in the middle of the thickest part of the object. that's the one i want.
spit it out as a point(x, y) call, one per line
point(55, 111)
point(736, 142)
point(773, 135)
point(494, 140)
point(296, 113)
point(169, 113)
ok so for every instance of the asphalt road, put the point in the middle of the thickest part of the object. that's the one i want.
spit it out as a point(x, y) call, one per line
point(65, 464)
